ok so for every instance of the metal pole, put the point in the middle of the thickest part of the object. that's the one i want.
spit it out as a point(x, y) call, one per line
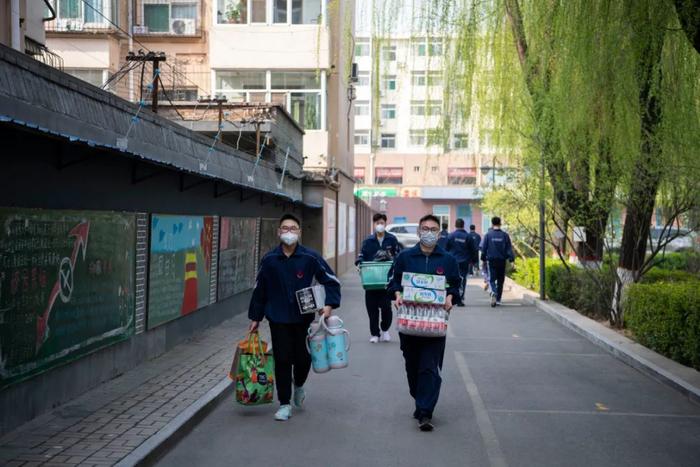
point(542, 252)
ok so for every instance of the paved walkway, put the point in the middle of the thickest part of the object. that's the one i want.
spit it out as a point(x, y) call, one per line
point(518, 390)
point(104, 425)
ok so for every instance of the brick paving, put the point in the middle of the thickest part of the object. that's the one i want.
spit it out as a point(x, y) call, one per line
point(107, 423)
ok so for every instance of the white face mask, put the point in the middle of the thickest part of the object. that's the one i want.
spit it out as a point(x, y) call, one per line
point(289, 238)
point(428, 239)
point(379, 228)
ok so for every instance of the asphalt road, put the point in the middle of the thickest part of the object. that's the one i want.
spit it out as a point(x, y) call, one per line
point(518, 390)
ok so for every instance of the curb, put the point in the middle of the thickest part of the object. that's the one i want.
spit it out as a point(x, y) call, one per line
point(679, 377)
point(155, 446)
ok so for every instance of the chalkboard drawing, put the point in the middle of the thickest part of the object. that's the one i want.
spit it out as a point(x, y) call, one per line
point(179, 266)
point(237, 247)
point(64, 282)
point(189, 300)
point(66, 286)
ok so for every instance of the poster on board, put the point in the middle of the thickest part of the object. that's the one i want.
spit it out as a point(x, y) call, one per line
point(268, 236)
point(237, 266)
point(179, 266)
point(342, 228)
point(351, 229)
point(328, 228)
point(66, 286)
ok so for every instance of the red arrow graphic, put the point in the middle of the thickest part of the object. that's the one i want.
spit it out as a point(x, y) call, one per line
point(80, 232)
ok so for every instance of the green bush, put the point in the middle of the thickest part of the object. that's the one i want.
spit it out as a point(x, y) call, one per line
point(666, 319)
point(679, 261)
point(656, 274)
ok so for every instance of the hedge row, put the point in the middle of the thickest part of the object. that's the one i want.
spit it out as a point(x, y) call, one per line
point(666, 318)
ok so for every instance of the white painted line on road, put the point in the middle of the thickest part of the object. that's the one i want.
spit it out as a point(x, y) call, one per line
point(592, 412)
point(488, 434)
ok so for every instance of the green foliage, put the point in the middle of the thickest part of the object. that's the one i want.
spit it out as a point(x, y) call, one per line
point(658, 275)
point(666, 319)
point(685, 261)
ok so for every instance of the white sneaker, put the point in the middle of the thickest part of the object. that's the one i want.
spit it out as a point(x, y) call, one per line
point(284, 413)
point(386, 337)
point(373, 340)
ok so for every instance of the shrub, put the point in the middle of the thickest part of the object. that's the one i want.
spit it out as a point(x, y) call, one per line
point(666, 319)
point(656, 275)
point(679, 261)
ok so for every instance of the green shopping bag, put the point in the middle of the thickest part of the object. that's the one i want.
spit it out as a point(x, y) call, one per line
point(253, 371)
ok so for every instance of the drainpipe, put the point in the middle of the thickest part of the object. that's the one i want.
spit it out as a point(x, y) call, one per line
point(15, 26)
point(130, 23)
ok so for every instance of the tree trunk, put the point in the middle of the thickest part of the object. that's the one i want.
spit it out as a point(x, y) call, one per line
point(689, 16)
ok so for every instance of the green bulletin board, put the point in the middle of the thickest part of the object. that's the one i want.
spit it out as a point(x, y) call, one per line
point(66, 286)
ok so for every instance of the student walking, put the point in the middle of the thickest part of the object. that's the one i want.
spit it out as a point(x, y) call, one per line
point(496, 250)
point(283, 271)
point(424, 355)
point(475, 239)
point(444, 236)
point(380, 246)
point(460, 246)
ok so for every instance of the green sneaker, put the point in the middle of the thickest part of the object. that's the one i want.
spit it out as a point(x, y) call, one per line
point(299, 396)
point(284, 413)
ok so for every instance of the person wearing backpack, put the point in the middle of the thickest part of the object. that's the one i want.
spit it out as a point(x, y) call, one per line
point(283, 271)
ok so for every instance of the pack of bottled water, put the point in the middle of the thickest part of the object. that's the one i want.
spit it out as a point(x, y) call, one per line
point(418, 319)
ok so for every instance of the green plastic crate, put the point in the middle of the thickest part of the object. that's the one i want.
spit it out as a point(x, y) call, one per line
point(374, 274)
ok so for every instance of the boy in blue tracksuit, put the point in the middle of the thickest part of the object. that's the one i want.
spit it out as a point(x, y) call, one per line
point(443, 237)
point(460, 246)
point(475, 239)
point(283, 271)
point(423, 355)
point(381, 245)
point(497, 249)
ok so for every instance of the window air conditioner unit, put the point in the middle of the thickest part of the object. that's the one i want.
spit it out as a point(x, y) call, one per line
point(182, 26)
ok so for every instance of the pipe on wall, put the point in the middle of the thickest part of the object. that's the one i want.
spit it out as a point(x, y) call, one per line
point(15, 26)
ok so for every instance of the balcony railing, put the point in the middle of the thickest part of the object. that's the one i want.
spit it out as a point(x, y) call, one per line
point(90, 16)
point(168, 18)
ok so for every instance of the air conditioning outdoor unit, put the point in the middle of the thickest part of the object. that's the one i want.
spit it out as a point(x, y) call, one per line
point(182, 26)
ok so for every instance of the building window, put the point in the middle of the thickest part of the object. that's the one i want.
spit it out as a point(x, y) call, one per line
point(279, 11)
point(460, 141)
point(416, 168)
point(94, 76)
point(418, 78)
point(283, 11)
point(461, 175)
point(433, 108)
point(232, 11)
point(388, 111)
point(74, 15)
point(359, 175)
point(389, 53)
point(417, 108)
point(434, 168)
point(435, 47)
point(416, 138)
point(389, 83)
point(363, 78)
point(434, 78)
point(362, 49)
point(419, 49)
point(299, 92)
point(362, 138)
point(388, 176)
point(361, 108)
point(178, 18)
point(388, 141)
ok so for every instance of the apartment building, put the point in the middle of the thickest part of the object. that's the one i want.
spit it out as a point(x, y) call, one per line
point(292, 53)
point(407, 162)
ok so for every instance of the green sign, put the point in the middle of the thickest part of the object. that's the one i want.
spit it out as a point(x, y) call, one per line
point(388, 192)
point(66, 286)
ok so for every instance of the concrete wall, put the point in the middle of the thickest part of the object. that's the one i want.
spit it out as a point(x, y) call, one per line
point(104, 182)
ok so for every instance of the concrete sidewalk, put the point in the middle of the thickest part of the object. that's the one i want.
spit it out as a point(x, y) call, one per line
point(131, 415)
